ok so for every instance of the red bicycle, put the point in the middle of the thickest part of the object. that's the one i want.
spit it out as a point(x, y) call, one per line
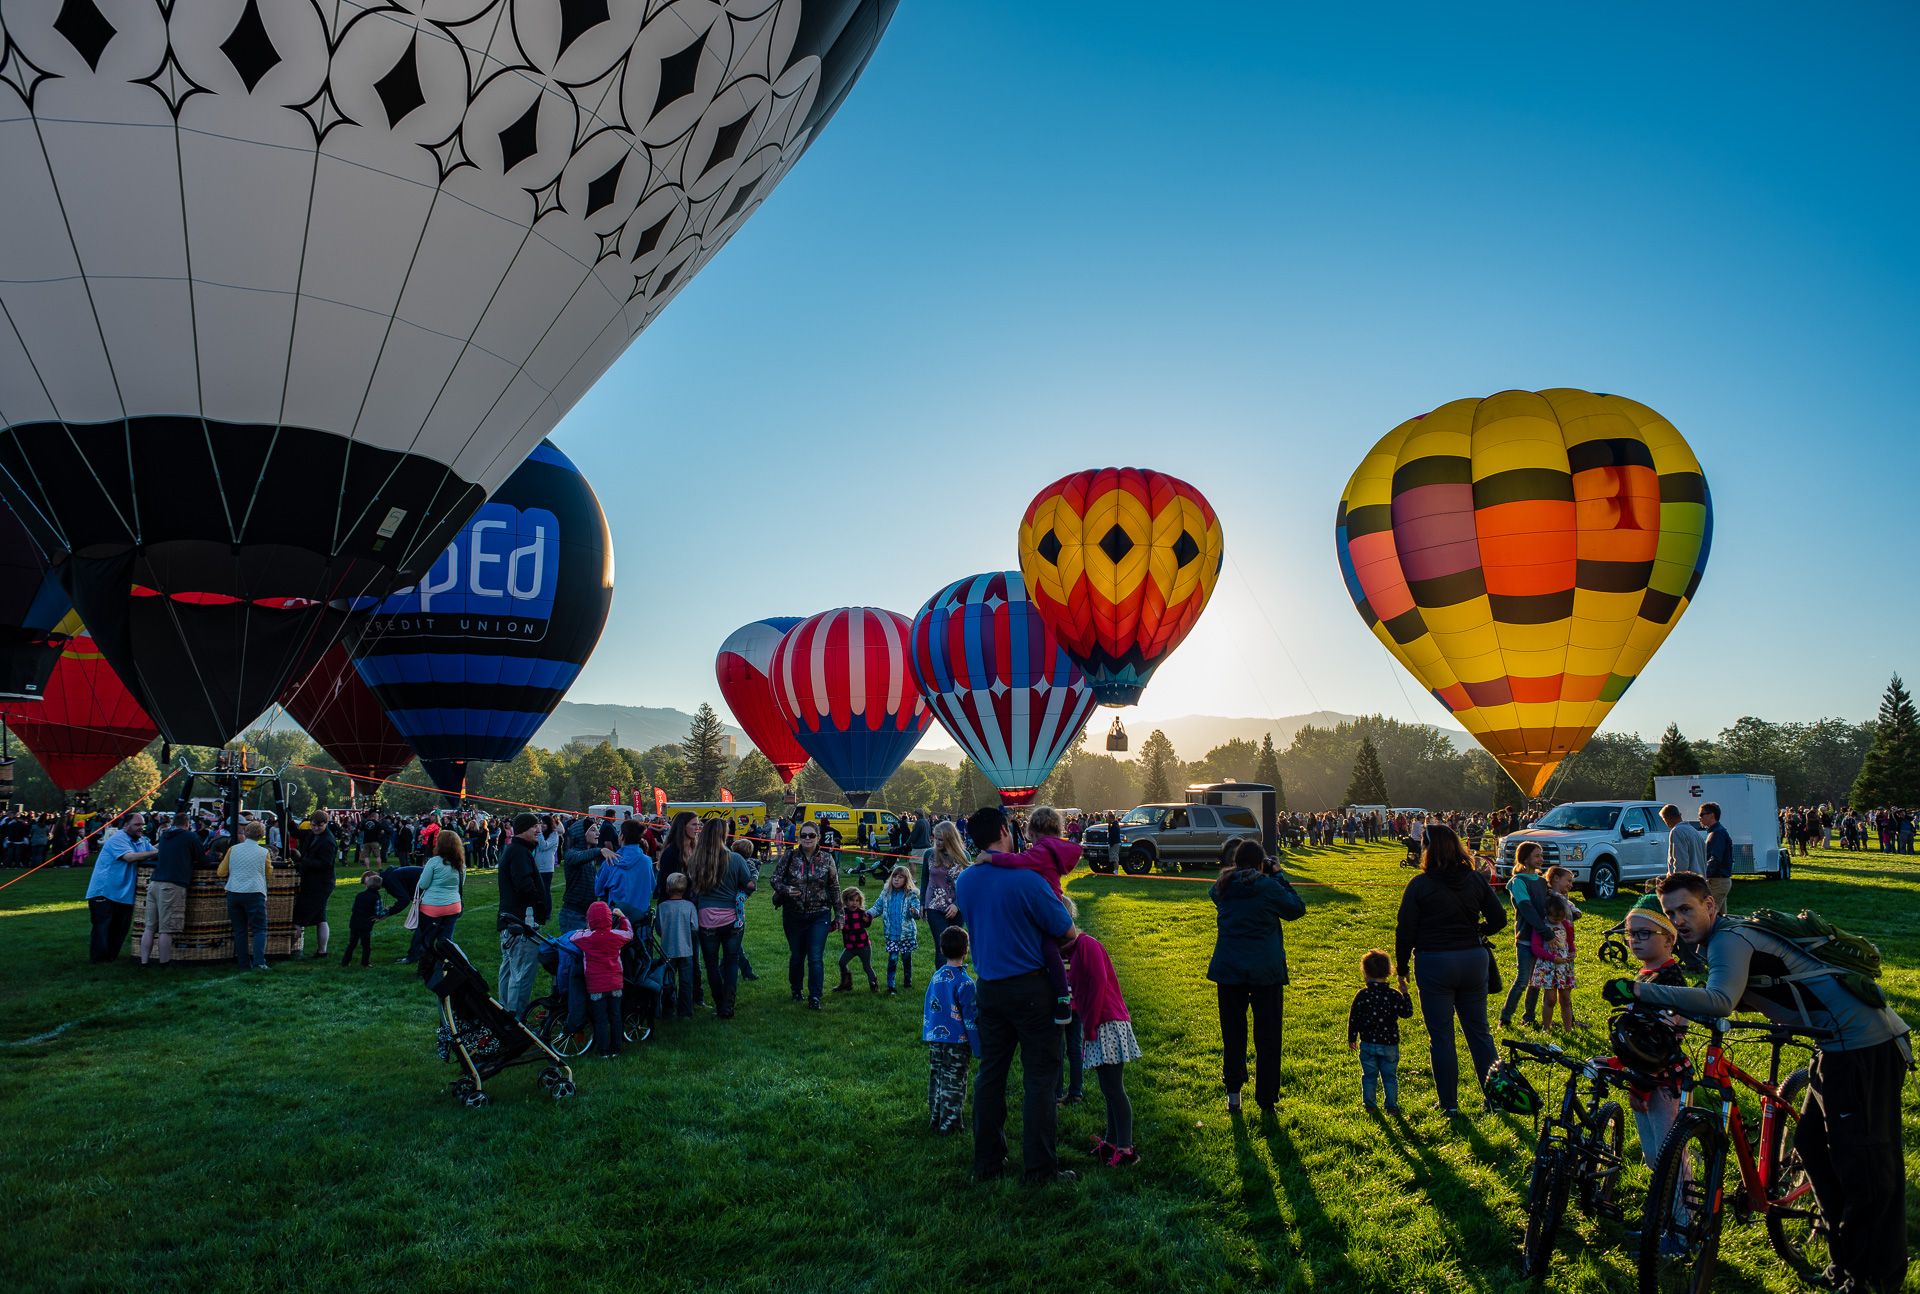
point(1680, 1231)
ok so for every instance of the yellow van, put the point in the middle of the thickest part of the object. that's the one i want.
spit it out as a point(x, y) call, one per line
point(745, 813)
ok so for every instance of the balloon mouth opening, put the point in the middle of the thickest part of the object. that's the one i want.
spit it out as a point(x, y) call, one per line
point(1118, 696)
point(1017, 797)
point(858, 799)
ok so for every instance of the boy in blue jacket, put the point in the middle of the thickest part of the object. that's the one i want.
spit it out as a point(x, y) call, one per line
point(948, 1028)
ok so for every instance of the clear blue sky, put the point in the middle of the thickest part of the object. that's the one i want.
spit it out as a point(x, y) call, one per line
point(1240, 247)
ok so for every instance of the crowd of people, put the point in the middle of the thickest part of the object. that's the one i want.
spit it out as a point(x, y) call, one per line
point(1821, 826)
point(1013, 974)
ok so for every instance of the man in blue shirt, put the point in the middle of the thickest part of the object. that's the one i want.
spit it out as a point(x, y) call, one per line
point(1719, 850)
point(1009, 911)
point(110, 892)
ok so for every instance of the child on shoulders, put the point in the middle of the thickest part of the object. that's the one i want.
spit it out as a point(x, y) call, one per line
point(1053, 858)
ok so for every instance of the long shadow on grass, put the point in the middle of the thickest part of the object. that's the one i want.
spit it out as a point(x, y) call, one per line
point(1448, 1193)
point(1314, 1231)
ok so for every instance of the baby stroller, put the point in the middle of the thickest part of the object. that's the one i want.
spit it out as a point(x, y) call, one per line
point(482, 1033)
point(560, 1018)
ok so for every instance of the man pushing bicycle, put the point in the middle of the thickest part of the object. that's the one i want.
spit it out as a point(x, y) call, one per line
point(1848, 1134)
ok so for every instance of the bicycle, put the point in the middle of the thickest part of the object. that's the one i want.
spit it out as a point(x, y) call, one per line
point(1687, 1203)
point(1582, 1146)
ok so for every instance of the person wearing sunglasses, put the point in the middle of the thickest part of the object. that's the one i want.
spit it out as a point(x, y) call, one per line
point(806, 889)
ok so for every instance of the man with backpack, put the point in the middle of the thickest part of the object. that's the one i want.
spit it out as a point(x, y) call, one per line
point(1849, 1134)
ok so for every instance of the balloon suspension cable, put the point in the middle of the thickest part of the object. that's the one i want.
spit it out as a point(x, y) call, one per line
point(1261, 608)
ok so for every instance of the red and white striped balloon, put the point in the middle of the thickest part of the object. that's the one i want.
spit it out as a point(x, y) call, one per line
point(843, 684)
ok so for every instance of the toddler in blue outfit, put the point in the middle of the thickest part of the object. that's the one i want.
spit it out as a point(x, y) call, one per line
point(947, 1026)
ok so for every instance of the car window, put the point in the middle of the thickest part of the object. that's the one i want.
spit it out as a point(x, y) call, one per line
point(1240, 818)
point(1202, 818)
point(1141, 814)
point(1581, 817)
point(1176, 819)
point(1636, 819)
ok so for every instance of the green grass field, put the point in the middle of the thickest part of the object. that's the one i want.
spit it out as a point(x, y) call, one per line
point(203, 1130)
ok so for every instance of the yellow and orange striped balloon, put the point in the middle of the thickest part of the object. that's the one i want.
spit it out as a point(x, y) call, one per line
point(1523, 556)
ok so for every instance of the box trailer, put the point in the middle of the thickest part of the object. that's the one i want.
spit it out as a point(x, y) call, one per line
point(1749, 810)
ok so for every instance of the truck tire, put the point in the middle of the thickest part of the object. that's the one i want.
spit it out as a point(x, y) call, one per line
point(1137, 861)
point(1603, 881)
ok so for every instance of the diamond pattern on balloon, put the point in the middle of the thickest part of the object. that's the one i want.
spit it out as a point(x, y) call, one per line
point(609, 245)
point(578, 17)
point(521, 140)
point(86, 29)
point(1049, 547)
point(1184, 549)
point(399, 89)
point(678, 73)
point(249, 48)
point(650, 236)
point(172, 83)
point(726, 140)
point(602, 191)
point(1116, 543)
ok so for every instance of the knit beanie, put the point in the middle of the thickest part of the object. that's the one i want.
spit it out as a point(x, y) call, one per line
point(1648, 907)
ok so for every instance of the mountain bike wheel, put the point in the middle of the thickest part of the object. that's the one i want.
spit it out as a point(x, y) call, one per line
point(1797, 1230)
point(1546, 1203)
point(1680, 1230)
point(1606, 1160)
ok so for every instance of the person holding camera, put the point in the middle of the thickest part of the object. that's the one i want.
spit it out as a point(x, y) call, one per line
point(1249, 966)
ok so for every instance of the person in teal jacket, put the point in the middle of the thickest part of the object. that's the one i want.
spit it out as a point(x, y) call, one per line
point(1249, 966)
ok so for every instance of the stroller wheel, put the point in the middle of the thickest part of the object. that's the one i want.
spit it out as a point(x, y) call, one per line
point(549, 1077)
point(636, 1030)
point(478, 1099)
point(463, 1089)
point(563, 1089)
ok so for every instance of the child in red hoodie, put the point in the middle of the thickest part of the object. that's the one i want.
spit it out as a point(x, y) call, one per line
point(600, 944)
point(1053, 858)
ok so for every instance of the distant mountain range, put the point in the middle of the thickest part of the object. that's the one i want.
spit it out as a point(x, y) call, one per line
point(639, 727)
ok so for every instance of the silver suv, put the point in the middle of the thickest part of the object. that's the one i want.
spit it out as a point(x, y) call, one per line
point(1171, 835)
point(1603, 843)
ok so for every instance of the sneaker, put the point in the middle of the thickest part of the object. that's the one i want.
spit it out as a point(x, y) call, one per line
point(1233, 1102)
point(1394, 1110)
point(796, 995)
point(1101, 1148)
point(892, 991)
point(748, 975)
point(1370, 1109)
point(813, 1004)
point(1124, 1158)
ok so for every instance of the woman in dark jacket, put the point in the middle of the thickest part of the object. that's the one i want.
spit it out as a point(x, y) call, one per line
point(682, 837)
point(1249, 967)
point(1444, 914)
point(315, 868)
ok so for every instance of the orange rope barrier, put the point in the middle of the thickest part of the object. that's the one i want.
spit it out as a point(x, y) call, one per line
point(76, 844)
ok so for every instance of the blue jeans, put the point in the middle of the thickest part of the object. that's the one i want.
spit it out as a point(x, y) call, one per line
point(676, 988)
point(432, 928)
point(1381, 1061)
point(1075, 1073)
point(244, 911)
point(1454, 984)
point(806, 946)
point(720, 949)
point(1522, 977)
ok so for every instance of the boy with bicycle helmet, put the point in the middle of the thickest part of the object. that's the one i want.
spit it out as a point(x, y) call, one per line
point(1646, 1040)
point(1849, 1135)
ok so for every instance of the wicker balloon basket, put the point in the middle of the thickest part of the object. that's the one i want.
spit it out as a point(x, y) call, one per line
point(209, 933)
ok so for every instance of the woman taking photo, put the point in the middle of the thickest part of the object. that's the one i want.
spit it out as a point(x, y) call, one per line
point(718, 884)
point(439, 887)
point(1445, 912)
point(806, 886)
point(940, 867)
point(1249, 967)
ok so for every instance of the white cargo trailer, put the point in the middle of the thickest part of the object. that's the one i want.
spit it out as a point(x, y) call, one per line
point(1749, 810)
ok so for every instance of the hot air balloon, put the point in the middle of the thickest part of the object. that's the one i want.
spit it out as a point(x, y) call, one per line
point(338, 710)
point(996, 676)
point(251, 378)
point(32, 603)
point(844, 686)
point(1120, 562)
point(88, 720)
point(743, 667)
point(471, 660)
point(1523, 556)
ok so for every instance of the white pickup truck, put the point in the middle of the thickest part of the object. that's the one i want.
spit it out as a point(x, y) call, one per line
point(1602, 842)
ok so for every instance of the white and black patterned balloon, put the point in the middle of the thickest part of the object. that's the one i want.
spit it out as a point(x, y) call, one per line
point(290, 286)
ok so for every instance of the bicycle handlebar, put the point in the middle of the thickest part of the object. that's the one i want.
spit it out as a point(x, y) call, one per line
point(1722, 1024)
